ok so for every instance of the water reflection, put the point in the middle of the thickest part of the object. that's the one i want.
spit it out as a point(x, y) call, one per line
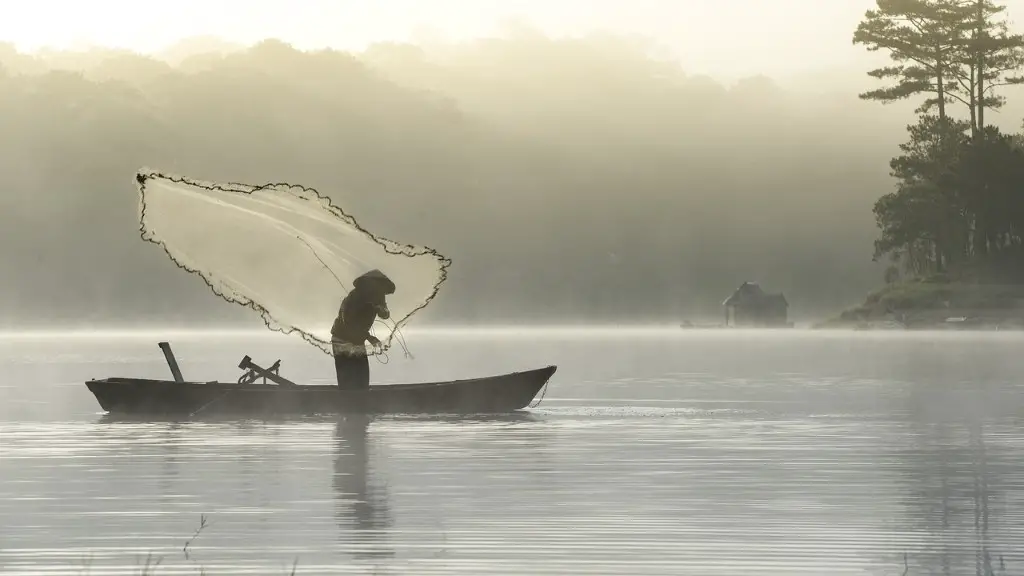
point(959, 485)
point(170, 462)
point(821, 455)
point(361, 499)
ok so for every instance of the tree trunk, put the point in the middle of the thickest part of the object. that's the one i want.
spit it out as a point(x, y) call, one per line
point(940, 79)
point(980, 234)
point(974, 101)
point(980, 62)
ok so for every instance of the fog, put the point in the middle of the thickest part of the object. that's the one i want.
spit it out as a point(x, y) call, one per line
point(570, 179)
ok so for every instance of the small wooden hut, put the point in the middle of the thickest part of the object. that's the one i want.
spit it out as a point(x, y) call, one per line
point(750, 306)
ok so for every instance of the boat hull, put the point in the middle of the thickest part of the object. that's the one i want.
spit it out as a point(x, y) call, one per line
point(493, 394)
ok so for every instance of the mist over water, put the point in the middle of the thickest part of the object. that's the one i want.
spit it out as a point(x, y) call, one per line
point(652, 452)
point(595, 192)
point(569, 179)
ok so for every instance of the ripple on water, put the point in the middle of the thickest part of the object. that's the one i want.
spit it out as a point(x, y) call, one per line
point(574, 490)
point(697, 466)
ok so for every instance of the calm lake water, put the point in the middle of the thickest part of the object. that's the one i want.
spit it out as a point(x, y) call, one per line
point(657, 452)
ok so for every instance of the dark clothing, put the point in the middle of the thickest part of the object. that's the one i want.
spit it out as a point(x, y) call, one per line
point(351, 329)
point(353, 371)
point(356, 315)
point(349, 334)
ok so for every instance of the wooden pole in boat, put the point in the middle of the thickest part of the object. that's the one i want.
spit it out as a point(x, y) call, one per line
point(171, 361)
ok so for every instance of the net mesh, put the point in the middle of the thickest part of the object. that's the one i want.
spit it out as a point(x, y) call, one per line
point(283, 250)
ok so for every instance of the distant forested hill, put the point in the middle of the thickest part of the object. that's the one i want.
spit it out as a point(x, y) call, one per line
point(568, 180)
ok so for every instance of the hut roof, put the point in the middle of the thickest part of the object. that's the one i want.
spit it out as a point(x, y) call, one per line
point(746, 292)
point(752, 292)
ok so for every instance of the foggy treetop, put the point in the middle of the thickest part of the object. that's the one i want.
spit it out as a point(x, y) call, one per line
point(567, 179)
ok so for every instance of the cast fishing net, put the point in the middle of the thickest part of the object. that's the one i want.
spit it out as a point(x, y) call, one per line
point(283, 250)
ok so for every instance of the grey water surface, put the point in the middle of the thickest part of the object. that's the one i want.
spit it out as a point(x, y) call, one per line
point(652, 452)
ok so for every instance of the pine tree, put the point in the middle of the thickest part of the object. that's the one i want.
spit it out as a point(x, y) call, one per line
point(923, 41)
point(988, 59)
point(953, 51)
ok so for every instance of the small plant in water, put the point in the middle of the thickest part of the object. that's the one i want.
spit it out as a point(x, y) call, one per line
point(202, 524)
point(151, 563)
point(150, 566)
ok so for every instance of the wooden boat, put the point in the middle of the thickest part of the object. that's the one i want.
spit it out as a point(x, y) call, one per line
point(177, 397)
point(309, 211)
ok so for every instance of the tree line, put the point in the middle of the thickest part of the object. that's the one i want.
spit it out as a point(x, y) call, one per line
point(568, 179)
point(958, 206)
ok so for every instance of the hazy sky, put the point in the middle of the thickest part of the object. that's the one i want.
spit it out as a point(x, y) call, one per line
point(724, 38)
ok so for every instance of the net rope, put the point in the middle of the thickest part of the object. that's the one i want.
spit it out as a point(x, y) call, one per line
point(285, 251)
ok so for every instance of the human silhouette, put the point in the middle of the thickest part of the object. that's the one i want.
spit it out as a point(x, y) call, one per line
point(351, 329)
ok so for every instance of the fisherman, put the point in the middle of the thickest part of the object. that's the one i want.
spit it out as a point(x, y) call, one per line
point(351, 329)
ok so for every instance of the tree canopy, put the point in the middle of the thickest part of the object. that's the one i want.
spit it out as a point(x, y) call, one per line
point(960, 183)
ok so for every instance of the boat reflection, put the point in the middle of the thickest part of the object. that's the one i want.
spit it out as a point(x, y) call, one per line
point(362, 507)
point(361, 499)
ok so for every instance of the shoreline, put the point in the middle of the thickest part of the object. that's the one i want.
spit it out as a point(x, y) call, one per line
point(935, 305)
